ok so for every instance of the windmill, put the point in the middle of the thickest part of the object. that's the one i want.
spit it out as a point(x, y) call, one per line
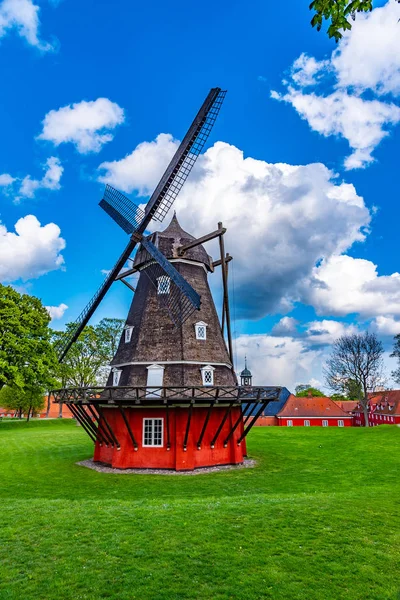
point(172, 398)
point(182, 299)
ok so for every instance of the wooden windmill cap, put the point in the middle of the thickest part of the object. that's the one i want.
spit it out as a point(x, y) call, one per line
point(170, 240)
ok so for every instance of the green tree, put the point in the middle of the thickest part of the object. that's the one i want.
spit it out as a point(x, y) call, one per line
point(396, 354)
point(27, 400)
point(339, 13)
point(310, 391)
point(27, 357)
point(358, 359)
point(87, 361)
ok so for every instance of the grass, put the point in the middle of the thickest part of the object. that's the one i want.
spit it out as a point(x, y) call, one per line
point(318, 518)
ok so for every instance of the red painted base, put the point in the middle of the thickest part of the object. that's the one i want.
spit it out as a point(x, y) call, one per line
point(176, 457)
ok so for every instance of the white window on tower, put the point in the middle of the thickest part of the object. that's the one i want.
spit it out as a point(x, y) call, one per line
point(325, 423)
point(306, 423)
point(153, 430)
point(155, 376)
point(128, 334)
point(201, 330)
point(207, 375)
point(116, 376)
point(340, 423)
point(163, 284)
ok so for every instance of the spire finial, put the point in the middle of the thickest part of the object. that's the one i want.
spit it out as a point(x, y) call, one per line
point(245, 361)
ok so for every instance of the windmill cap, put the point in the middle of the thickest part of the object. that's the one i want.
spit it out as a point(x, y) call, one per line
point(169, 241)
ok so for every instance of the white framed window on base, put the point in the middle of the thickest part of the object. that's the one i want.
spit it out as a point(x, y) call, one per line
point(153, 433)
point(155, 377)
point(207, 375)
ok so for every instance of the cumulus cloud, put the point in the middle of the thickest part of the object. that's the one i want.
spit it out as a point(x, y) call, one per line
point(286, 326)
point(49, 181)
point(6, 180)
point(56, 312)
point(22, 16)
point(142, 169)
point(31, 251)
point(87, 125)
point(363, 123)
point(281, 219)
point(279, 361)
point(344, 285)
point(366, 62)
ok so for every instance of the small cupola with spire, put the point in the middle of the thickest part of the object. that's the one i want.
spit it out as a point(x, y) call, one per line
point(246, 376)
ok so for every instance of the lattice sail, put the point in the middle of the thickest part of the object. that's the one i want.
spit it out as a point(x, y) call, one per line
point(124, 212)
point(174, 293)
point(185, 157)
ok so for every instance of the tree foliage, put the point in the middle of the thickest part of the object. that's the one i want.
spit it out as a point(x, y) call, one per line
point(339, 13)
point(27, 358)
point(86, 363)
point(28, 400)
point(309, 391)
point(356, 364)
point(396, 354)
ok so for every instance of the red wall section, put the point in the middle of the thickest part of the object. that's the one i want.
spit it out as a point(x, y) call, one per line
point(299, 422)
point(175, 458)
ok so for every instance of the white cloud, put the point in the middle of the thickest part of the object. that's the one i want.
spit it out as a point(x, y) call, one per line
point(285, 326)
point(281, 219)
point(368, 57)
point(6, 180)
point(50, 180)
point(326, 331)
point(142, 169)
point(56, 312)
point(279, 361)
point(344, 285)
point(366, 61)
point(363, 123)
point(388, 326)
point(87, 125)
point(23, 17)
point(31, 251)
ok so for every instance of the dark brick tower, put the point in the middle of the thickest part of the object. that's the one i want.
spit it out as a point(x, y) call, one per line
point(155, 351)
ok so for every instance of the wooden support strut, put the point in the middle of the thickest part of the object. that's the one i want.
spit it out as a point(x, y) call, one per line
point(203, 430)
point(128, 285)
point(89, 423)
point(246, 431)
point(232, 431)
point(205, 238)
point(185, 441)
point(167, 426)
point(224, 418)
point(102, 415)
point(106, 435)
point(133, 440)
point(226, 297)
point(78, 417)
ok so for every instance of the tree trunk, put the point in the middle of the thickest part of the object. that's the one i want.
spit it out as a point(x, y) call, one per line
point(366, 419)
point(48, 407)
point(30, 410)
point(60, 407)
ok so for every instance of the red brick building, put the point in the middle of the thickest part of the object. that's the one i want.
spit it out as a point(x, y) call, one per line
point(384, 409)
point(313, 412)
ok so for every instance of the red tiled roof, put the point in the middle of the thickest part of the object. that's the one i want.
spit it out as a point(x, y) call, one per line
point(387, 403)
point(311, 407)
point(347, 405)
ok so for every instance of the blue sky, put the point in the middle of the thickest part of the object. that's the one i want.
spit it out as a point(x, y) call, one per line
point(85, 83)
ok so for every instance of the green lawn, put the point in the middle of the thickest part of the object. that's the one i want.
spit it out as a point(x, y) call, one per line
point(318, 518)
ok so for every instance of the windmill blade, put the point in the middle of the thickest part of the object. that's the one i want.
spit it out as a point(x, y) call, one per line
point(173, 291)
point(65, 343)
point(124, 212)
point(185, 157)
